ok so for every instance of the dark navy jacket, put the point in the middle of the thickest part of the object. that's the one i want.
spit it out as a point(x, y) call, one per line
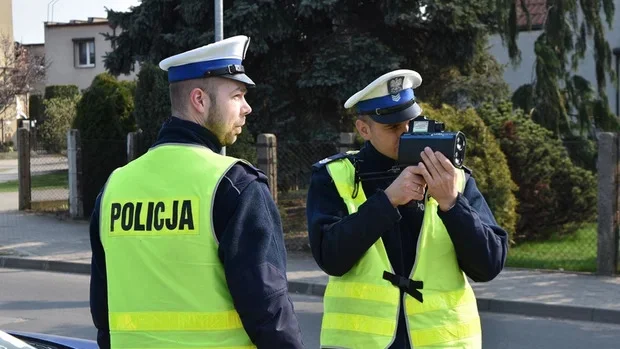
point(338, 240)
point(248, 227)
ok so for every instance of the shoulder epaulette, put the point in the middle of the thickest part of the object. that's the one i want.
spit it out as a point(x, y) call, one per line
point(328, 159)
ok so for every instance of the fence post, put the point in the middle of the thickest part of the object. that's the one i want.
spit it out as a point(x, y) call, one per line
point(23, 169)
point(74, 155)
point(616, 235)
point(347, 139)
point(132, 145)
point(607, 247)
point(266, 151)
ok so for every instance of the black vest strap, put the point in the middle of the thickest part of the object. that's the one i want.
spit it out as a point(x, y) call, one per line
point(405, 284)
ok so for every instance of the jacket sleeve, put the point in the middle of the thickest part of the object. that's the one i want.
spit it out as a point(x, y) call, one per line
point(247, 224)
point(339, 239)
point(481, 245)
point(98, 283)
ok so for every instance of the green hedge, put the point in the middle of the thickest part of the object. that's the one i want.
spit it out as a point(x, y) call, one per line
point(59, 115)
point(104, 117)
point(152, 104)
point(36, 107)
point(61, 91)
point(244, 147)
point(555, 196)
point(484, 156)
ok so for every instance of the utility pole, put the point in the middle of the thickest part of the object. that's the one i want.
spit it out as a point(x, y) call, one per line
point(219, 20)
point(617, 54)
point(219, 32)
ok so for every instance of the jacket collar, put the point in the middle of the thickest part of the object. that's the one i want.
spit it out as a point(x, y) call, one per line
point(176, 130)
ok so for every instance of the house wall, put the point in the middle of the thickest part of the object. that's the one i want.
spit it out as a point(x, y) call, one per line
point(525, 72)
point(60, 53)
point(37, 50)
point(6, 18)
point(7, 117)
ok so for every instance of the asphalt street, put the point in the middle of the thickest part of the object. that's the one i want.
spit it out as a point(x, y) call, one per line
point(57, 303)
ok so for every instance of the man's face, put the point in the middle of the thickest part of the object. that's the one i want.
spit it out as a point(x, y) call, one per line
point(384, 137)
point(227, 110)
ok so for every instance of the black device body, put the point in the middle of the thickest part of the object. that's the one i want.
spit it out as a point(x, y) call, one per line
point(423, 132)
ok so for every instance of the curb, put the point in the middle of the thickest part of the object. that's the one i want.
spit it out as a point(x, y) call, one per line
point(565, 312)
point(558, 311)
point(45, 265)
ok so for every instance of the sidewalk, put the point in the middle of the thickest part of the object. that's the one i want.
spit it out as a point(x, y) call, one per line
point(30, 241)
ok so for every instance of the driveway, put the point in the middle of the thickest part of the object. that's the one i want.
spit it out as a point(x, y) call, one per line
point(10, 201)
point(38, 165)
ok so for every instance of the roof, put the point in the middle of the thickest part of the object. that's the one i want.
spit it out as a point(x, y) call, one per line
point(78, 22)
point(537, 10)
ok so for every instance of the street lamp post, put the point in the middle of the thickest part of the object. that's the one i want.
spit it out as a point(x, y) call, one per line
point(219, 31)
point(616, 52)
point(219, 20)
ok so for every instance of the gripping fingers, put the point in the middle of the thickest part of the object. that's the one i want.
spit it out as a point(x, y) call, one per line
point(445, 162)
point(437, 167)
point(416, 191)
point(423, 171)
point(428, 164)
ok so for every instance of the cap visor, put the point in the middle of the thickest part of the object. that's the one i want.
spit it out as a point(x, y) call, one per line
point(404, 115)
point(241, 78)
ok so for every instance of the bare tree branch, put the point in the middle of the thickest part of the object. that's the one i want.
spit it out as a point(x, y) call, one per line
point(19, 71)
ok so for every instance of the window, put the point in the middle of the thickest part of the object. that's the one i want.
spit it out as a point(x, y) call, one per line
point(85, 53)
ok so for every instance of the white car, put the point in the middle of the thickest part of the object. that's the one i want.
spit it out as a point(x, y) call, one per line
point(27, 340)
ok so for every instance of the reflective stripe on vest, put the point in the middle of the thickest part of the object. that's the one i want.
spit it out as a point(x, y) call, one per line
point(449, 314)
point(166, 284)
point(361, 308)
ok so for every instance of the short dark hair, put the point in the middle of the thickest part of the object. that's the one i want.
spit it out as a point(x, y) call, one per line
point(366, 118)
point(179, 92)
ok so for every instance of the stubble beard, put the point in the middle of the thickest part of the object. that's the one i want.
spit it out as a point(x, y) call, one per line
point(217, 124)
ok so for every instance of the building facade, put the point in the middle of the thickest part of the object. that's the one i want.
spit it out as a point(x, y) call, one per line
point(524, 73)
point(8, 115)
point(75, 51)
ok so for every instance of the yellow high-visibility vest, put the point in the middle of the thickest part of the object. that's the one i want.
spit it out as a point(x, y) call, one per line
point(166, 284)
point(361, 308)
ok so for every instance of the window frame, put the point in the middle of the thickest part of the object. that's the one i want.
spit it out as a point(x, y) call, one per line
point(77, 42)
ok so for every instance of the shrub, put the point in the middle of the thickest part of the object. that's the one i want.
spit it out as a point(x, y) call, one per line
point(152, 104)
point(555, 195)
point(36, 107)
point(484, 156)
point(60, 113)
point(244, 147)
point(61, 91)
point(583, 152)
point(104, 117)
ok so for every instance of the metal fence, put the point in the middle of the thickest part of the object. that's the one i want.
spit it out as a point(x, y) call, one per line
point(295, 161)
point(575, 251)
point(570, 246)
point(48, 175)
point(99, 158)
point(294, 170)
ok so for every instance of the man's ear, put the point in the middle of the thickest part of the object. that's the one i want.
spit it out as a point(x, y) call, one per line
point(363, 128)
point(199, 100)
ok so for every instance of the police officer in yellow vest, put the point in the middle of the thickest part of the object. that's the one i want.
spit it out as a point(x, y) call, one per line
point(398, 272)
point(188, 249)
